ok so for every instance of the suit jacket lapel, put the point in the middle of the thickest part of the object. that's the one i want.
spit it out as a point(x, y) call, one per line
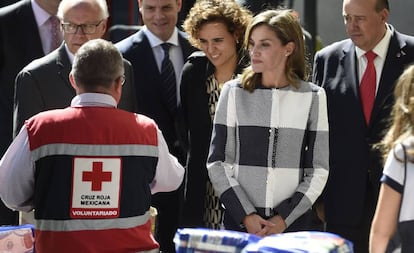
point(146, 70)
point(185, 45)
point(27, 22)
point(393, 67)
point(351, 79)
point(64, 66)
point(142, 50)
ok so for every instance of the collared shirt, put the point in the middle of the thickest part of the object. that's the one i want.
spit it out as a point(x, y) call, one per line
point(176, 54)
point(17, 167)
point(380, 50)
point(93, 99)
point(42, 17)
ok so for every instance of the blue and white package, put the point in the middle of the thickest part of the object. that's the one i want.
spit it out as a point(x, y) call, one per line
point(17, 239)
point(200, 240)
point(301, 242)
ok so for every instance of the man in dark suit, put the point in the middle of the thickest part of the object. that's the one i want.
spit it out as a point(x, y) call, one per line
point(145, 52)
point(355, 165)
point(44, 83)
point(21, 41)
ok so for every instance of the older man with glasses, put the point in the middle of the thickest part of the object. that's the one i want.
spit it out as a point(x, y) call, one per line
point(44, 83)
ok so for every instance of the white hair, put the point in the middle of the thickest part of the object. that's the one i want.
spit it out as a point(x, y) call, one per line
point(102, 4)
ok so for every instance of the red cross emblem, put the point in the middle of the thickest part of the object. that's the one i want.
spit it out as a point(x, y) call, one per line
point(97, 176)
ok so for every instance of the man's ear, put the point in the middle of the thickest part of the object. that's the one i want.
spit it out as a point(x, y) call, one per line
point(116, 91)
point(179, 4)
point(384, 15)
point(139, 5)
point(72, 81)
point(104, 26)
point(118, 85)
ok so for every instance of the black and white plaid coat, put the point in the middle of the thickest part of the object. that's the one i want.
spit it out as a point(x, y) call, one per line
point(269, 150)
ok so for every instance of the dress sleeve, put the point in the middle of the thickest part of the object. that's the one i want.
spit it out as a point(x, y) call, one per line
point(393, 173)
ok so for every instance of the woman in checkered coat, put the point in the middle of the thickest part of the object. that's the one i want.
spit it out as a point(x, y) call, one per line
point(268, 157)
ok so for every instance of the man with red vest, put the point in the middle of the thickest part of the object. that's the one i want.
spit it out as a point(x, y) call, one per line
point(89, 170)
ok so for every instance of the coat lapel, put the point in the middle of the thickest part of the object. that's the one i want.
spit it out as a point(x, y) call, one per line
point(185, 45)
point(27, 22)
point(142, 50)
point(64, 66)
point(351, 79)
point(393, 67)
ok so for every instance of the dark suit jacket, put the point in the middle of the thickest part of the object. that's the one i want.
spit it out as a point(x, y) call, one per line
point(19, 44)
point(354, 165)
point(195, 126)
point(44, 85)
point(138, 51)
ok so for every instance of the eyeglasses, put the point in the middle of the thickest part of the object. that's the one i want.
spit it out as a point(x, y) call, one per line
point(86, 28)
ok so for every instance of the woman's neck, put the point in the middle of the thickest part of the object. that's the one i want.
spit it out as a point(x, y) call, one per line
point(225, 72)
point(276, 79)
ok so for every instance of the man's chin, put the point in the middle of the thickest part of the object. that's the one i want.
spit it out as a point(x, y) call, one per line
point(163, 32)
point(74, 48)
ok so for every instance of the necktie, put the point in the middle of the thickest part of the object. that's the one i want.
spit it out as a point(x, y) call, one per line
point(55, 32)
point(168, 80)
point(368, 86)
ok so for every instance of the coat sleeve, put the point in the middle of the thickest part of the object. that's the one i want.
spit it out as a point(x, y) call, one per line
point(315, 162)
point(27, 99)
point(222, 156)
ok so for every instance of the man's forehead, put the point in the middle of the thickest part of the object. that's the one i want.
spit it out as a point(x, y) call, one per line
point(158, 2)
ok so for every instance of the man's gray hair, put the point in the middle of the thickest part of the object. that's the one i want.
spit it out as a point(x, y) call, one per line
point(98, 63)
point(102, 4)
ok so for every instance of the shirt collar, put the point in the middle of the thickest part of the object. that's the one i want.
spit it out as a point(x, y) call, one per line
point(93, 99)
point(381, 48)
point(40, 14)
point(155, 41)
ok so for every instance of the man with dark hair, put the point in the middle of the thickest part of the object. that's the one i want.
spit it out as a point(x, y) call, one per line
point(158, 52)
point(359, 75)
point(88, 179)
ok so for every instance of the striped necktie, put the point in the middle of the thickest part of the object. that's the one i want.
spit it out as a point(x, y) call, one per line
point(168, 80)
